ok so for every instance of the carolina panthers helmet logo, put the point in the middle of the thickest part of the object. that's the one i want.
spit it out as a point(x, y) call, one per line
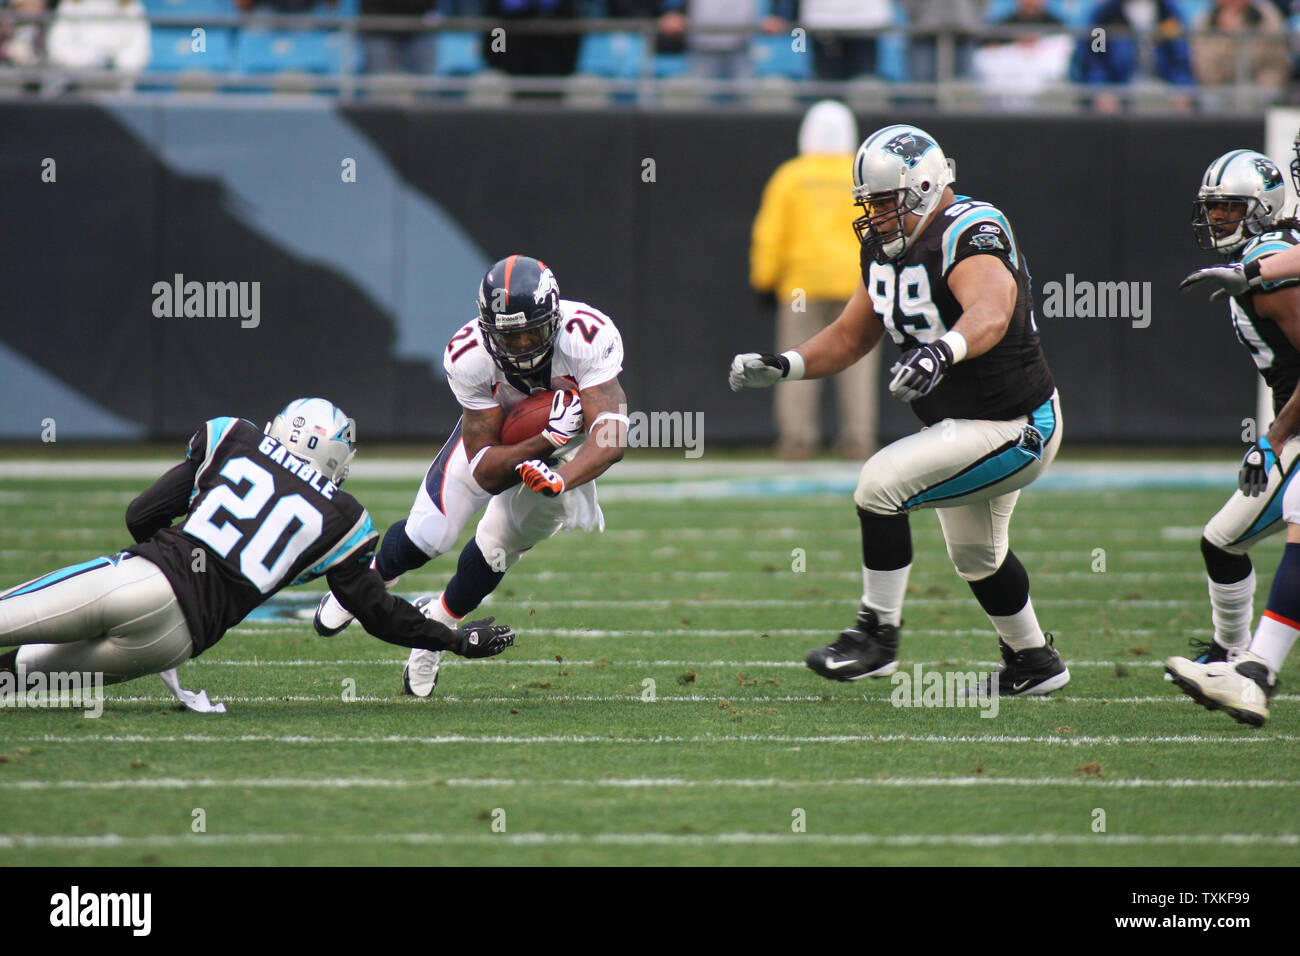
point(909, 147)
point(1271, 175)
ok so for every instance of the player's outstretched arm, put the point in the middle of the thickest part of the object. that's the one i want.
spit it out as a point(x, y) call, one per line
point(386, 616)
point(851, 336)
point(1236, 278)
point(605, 408)
point(495, 471)
point(165, 500)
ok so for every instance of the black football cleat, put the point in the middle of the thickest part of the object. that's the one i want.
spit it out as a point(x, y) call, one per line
point(867, 649)
point(1038, 670)
point(1208, 652)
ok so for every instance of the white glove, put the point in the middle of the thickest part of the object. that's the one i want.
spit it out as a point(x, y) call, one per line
point(755, 370)
point(1230, 280)
point(566, 421)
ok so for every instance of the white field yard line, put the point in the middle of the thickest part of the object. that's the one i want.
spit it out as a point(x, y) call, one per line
point(40, 465)
point(526, 740)
point(821, 602)
point(635, 697)
point(568, 574)
point(499, 662)
point(637, 783)
point(669, 553)
point(109, 841)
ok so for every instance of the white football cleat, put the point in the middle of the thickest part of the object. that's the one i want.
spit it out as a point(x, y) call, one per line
point(420, 675)
point(331, 616)
point(1239, 686)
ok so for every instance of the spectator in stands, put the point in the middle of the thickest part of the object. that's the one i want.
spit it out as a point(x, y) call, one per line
point(804, 256)
point(99, 34)
point(531, 54)
point(718, 55)
point(1132, 29)
point(392, 52)
point(959, 17)
point(1023, 67)
point(1215, 57)
point(21, 44)
point(843, 57)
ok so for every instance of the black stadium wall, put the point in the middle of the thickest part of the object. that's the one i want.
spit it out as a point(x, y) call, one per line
point(360, 281)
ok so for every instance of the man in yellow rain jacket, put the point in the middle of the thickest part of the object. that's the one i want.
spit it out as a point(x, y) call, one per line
point(805, 253)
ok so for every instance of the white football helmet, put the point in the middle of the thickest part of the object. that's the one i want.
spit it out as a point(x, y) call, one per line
point(898, 170)
point(319, 432)
point(1247, 189)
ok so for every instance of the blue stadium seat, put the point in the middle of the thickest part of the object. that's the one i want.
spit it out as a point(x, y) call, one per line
point(173, 50)
point(274, 51)
point(457, 54)
point(776, 56)
point(615, 55)
point(670, 64)
point(195, 8)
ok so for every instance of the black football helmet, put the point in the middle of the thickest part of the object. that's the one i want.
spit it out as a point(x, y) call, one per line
point(519, 313)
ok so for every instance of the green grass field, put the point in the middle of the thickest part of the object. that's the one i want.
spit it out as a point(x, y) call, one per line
point(556, 740)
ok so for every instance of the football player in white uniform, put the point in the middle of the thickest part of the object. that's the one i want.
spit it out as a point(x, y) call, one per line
point(944, 276)
point(526, 339)
point(1236, 214)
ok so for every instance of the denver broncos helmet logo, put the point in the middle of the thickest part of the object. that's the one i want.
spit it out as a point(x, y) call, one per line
point(1271, 174)
point(909, 147)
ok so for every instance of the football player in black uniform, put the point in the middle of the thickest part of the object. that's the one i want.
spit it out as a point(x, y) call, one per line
point(1236, 214)
point(1237, 204)
point(263, 509)
point(943, 275)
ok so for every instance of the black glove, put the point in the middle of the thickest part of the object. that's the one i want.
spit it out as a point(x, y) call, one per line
point(1255, 467)
point(482, 639)
point(918, 371)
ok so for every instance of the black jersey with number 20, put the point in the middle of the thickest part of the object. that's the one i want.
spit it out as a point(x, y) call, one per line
point(912, 299)
point(258, 519)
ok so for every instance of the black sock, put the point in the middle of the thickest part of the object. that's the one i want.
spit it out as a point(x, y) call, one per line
point(9, 662)
point(886, 541)
point(398, 553)
point(1006, 590)
point(1224, 567)
point(473, 581)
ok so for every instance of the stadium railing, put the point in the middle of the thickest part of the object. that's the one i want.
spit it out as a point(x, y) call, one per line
point(260, 52)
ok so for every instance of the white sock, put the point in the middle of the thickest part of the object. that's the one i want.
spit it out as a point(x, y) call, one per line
point(438, 612)
point(1231, 608)
point(882, 592)
point(1020, 630)
point(1273, 640)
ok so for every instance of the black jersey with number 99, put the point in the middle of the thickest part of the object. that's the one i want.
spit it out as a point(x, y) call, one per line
point(912, 299)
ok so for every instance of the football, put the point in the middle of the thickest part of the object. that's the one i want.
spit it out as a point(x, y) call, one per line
point(530, 416)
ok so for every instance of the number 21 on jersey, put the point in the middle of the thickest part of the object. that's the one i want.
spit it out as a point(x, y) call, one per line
point(908, 289)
